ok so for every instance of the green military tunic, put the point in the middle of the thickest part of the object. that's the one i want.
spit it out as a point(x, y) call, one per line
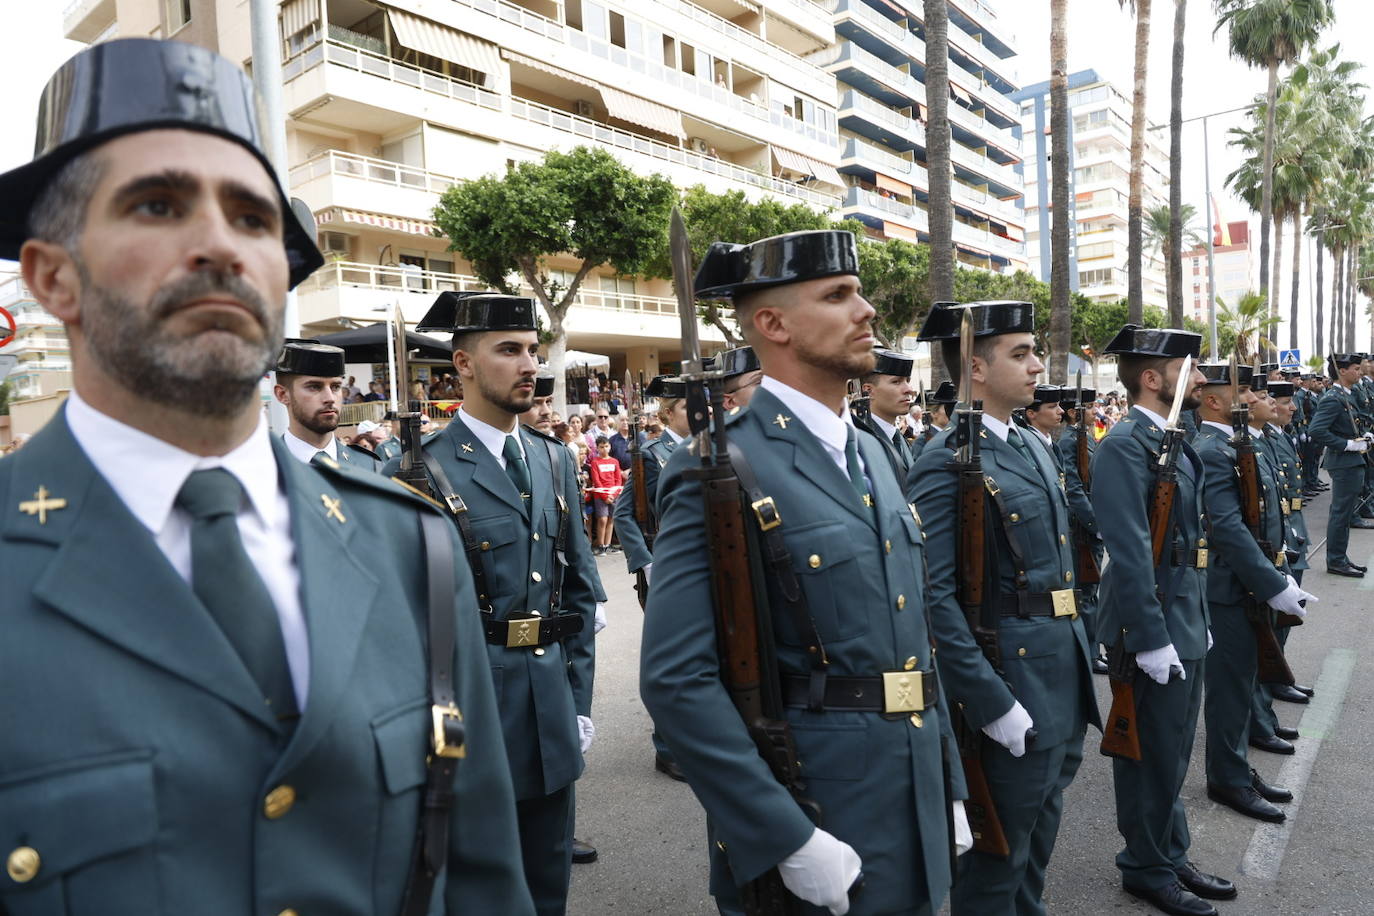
point(632, 540)
point(142, 769)
point(1150, 607)
point(1045, 661)
point(1332, 426)
point(1084, 522)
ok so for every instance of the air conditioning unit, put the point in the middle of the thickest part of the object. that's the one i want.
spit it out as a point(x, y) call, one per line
point(340, 243)
point(585, 109)
point(700, 145)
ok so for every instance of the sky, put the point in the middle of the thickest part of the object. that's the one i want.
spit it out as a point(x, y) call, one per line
point(1101, 37)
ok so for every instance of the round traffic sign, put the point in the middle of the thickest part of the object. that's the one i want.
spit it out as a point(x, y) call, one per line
point(14, 327)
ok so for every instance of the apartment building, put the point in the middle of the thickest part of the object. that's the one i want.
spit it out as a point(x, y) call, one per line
point(1234, 261)
point(879, 62)
point(43, 362)
point(1099, 187)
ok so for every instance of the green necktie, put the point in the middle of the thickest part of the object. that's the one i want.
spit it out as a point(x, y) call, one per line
point(516, 468)
point(856, 471)
point(898, 440)
point(1014, 437)
point(321, 455)
point(225, 581)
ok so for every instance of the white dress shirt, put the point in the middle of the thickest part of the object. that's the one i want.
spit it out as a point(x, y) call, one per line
point(887, 429)
point(995, 426)
point(672, 436)
point(147, 473)
point(305, 452)
point(494, 439)
point(830, 428)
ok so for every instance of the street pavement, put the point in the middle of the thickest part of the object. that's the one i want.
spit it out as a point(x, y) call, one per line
point(650, 831)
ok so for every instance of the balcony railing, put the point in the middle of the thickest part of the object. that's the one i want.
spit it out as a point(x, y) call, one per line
point(984, 165)
point(337, 162)
point(594, 130)
point(337, 274)
point(884, 114)
point(871, 200)
point(887, 161)
point(372, 64)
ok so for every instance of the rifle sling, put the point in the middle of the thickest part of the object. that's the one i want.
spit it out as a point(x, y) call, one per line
point(459, 509)
point(777, 562)
point(431, 847)
point(560, 541)
point(1018, 556)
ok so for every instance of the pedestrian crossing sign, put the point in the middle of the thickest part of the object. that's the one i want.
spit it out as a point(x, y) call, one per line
point(1290, 359)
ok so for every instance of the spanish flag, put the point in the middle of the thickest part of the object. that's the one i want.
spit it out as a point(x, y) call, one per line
point(1221, 233)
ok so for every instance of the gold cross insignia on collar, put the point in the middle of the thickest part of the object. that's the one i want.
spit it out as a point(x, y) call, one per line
point(781, 421)
point(868, 500)
point(331, 507)
point(467, 448)
point(40, 505)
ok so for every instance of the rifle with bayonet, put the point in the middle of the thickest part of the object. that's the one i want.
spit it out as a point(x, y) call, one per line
point(1272, 666)
point(1088, 571)
point(979, 607)
point(644, 516)
point(744, 623)
point(1120, 734)
point(412, 471)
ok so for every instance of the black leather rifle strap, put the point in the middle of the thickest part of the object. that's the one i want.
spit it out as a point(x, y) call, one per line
point(455, 505)
point(560, 542)
point(778, 563)
point(446, 742)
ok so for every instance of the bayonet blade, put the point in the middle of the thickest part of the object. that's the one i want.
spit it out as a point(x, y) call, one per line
point(1185, 374)
point(966, 359)
point(680, 248)
point(631, 396)
point(1079, 400)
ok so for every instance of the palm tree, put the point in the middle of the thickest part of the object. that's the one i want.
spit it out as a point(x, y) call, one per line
point(1267, 33)
point(1249, 321)
point(1135, 302)
point(1061, 318)
point(1173, 255)
point(1158, 231)
point(941, 211)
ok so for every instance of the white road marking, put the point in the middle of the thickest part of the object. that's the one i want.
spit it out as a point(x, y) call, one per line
point(1264, 856)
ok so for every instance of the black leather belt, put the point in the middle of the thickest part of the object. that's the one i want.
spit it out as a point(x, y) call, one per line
point(1188, 556)
point(1061, 602)
point(895, 693)
point(531, 632)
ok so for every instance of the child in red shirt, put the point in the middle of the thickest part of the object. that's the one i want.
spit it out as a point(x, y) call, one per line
point(607, 479)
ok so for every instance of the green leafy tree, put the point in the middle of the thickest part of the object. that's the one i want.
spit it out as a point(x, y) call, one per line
point(582, 202)
point(896, 279)
point(1158, 229)
point(6, 392)
point(1249, 322)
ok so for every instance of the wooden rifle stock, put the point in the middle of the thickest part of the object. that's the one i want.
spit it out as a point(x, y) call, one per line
point(1089, 573)
point(1271, 666)
point(643, 517)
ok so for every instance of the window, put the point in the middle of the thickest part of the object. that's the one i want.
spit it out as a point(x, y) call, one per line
point(617, 29)
point(688, 56)
point(573, 13)
point(1098, 250)
point(669, 52)
point(178, 14)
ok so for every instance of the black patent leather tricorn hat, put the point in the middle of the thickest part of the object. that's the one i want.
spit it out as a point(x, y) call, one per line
point(310, 357)
point(666, 386)
point(1220, 374)
point(736, 362)
point(460, 313)
point(890, 362)
point(1170, 343)
point(730, 270)
point(138, 84)
point(989, 319)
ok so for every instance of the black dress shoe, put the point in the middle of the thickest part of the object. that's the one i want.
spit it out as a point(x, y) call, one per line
point(668, 768)
point(583, 852)
point(1100, 665)
point(1268, 792)
point(1271, 743)
point(1288, 695)
point(1353, 565)
point(1344, 569)
point(1246, 800)
point(1362, 523)
point(1174, 899)
point(1305, 690)
point(1209, 887)
point(1286, 733)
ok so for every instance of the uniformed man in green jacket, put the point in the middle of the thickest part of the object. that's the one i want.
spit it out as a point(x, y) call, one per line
point(1240, 574)
point(939, 408)
point(532, 563)
point(889, 392)
point(309, 384)
point(1158, 613)
point(218, 693)
point(1045, 682)
point(1081, 514)
point(1335, 427)
point(856, 550)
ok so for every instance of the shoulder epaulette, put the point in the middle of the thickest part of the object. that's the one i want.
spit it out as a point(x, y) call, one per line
point(541, 434)
point(370, 479)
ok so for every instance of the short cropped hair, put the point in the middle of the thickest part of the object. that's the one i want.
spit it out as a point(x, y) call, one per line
point(59, 212)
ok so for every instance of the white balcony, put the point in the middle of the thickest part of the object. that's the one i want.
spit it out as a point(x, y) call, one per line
point(886, 208)
point(337, 178)
point(87, 20)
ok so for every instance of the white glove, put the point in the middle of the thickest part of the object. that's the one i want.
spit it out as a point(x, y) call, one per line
point(822, 871)
point(963, 834)
point(648, 572)
point(1209, 639)
point(1160, 664)
point(1010, 730)
point(586, 732)
point(1287, 600)
point(599, 623)
point(1357, 445)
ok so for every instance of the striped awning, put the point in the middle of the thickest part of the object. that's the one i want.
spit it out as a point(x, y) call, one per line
point(639, 111)
point(429, 37)
point(895, 231)
point(550, 69)
point(892, 184)
point(297, 15)
point(420, 227)
point(805, 165)
point(961, 93)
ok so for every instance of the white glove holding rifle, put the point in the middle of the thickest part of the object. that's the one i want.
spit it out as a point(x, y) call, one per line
point(1161, 664)
point(1291, 599)
point(822, 871)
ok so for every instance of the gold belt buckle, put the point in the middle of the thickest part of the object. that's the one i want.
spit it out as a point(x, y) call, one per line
point(1201, 558)
point(1279, 558)
point(522, 632)
point(903, 691)
point(446, 717)
point(1065, 602)
point(767, 513)
point(1296, 503)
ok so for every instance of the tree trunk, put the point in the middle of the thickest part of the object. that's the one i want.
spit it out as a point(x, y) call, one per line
point(556, 312)
point(1297, 276)
point(1267, 176)
point(1173, 258)
point(1061, 318)
point(940, 216)
point(1273, 304)
point(1337, 302)
point(1352, 280)
point(1317, 328)
point(1135, 302)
